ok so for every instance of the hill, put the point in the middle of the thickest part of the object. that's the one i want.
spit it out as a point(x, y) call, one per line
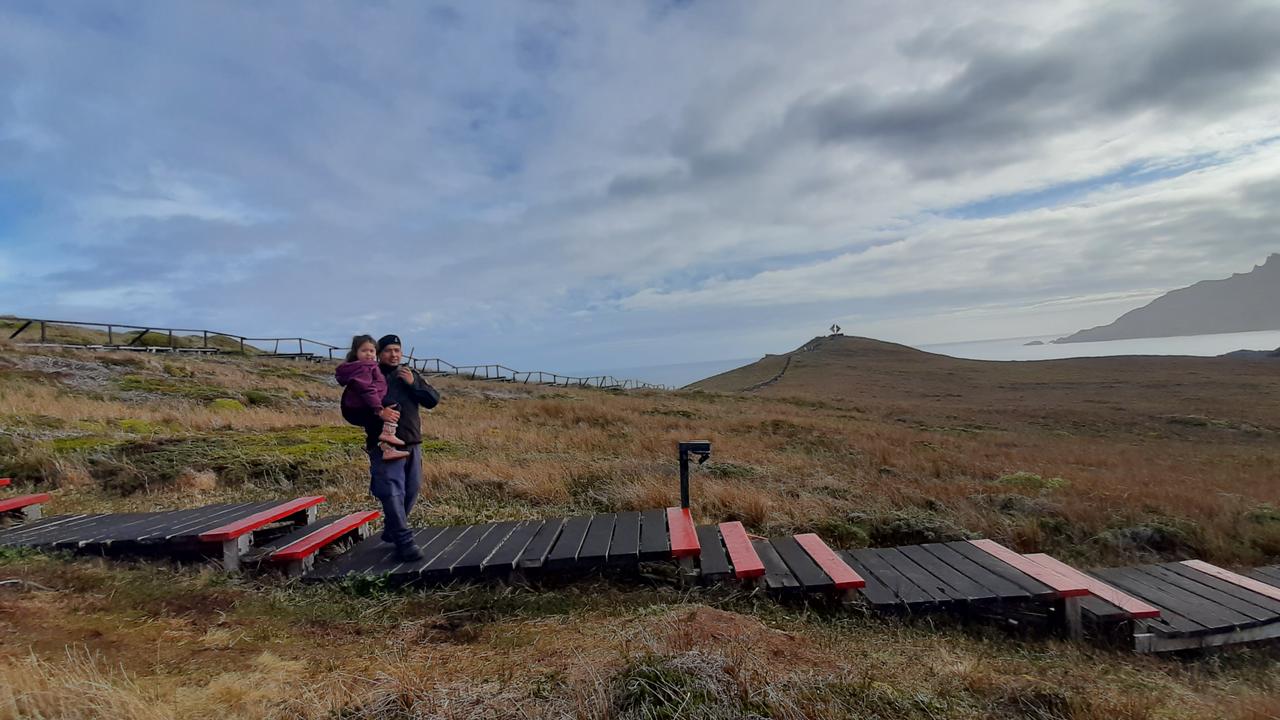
point(866, 443)
point(1241, 303)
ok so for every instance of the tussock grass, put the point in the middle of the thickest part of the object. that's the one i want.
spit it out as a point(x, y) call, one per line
point(883, 467)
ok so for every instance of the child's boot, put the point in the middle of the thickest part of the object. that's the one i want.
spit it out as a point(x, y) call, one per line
point(388, 435)
point(389, 453)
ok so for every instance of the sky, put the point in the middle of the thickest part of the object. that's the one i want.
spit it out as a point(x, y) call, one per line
point(620, 184)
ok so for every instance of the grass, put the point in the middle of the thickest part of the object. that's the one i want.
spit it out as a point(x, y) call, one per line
point(1096, 475)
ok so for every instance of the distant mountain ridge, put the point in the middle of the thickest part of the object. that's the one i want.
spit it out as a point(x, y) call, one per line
point(1244, 302)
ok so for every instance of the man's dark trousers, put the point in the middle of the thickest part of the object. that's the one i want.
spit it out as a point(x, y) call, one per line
point(396, 483)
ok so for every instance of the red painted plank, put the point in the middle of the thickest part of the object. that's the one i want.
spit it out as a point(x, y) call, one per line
point(746, 563)
point(838, 570)
point(23, 501)
point(1065, 587)
point(684, 538)
point(308, 545)
point(253, 522)
point(4, 482)
point(1133, 606)
point(1247, 583)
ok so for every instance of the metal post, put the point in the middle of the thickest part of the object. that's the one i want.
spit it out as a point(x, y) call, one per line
point(702, 449)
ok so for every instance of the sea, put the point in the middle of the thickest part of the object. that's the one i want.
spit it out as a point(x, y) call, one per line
point(680, 374)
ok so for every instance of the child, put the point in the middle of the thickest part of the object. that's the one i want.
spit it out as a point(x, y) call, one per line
point(362, 398)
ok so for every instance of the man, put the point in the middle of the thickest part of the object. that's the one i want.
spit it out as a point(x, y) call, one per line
point(395, 483)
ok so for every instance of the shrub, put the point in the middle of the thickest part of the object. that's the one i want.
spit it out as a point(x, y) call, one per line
point(1162, 536)
point(913, 527)
point(227, 404)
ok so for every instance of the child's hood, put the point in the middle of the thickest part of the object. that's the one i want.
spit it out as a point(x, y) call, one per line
point(349, 371)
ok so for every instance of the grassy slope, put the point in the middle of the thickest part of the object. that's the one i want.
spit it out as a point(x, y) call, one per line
point(888, 457)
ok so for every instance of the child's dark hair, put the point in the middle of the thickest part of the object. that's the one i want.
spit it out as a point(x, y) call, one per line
point(356, 342)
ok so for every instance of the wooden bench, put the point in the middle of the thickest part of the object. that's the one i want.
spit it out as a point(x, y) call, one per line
point(237, 537)
point(1107, 603)
point(24, 507)
point(5, 482)
point(1069, 590)
point(297, 551)
point(684, 537)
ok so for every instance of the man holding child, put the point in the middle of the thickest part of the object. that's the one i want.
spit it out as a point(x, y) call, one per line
point(393, 433)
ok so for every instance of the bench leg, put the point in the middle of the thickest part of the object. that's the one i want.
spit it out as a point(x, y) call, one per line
point(232, 550)
point(1071, 616)
point(32, 512)
point(688, 571)
point(298, 568)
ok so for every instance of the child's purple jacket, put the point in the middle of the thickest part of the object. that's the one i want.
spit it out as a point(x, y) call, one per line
point(364, 383)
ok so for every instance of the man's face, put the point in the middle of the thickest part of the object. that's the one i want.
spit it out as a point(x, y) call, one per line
point(390, 355)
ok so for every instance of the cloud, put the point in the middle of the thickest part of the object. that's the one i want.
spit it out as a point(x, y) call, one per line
point(604, 184)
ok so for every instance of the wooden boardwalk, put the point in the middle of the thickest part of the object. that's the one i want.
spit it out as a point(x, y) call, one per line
point(500, 548)
point(1159, 607)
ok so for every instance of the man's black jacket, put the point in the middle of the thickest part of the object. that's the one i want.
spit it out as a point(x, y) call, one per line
point(408, 398)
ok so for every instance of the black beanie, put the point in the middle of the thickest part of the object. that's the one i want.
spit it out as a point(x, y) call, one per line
point(386, 340)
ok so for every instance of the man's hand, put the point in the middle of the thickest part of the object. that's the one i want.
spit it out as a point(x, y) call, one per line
point(405, 374)
point(389, 414)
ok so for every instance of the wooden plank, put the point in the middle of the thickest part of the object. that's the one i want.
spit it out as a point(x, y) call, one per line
point(1036, 589)
point(941, 592)
point(358, 556)
point(742, 554)
point(1004, 589)
point(31, 534)
point(595, 545)
point(1064, 586)
point(1244, 582)
point(71, 540)
point(456, 538)
point(876, 592)
point(1268, 575)
point(185, 525)
point(565, 552)
point(842, 576)
point(1101, 610)
point(1170, 622)
point(965, 588)
point(118, 524)
point(1221, 585)
point(713, 563)
point(506, 555)
point(311, 543)
point(431, 541)
point(684, 539)
point(1130, 605)
point(535, 555)
point(19, 534)
point(260, 519)
point(472, 562)
point(20, 502)
point(625, 545)
point(805, 570)
point(1166, 596)
point(655, 543)
point(5, 482)
point(776, 574)
point(442, 565)
point(906, 591)
point(1203, 589)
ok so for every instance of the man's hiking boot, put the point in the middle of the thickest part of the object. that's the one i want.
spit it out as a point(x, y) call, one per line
point(408, 553)
point(389, 453)
point(388, 435)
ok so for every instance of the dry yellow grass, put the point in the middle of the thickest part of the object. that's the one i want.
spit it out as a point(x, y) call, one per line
point(122, 642)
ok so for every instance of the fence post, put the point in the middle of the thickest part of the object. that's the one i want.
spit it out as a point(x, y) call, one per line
point(111, 339)
point(170, 339)
point(242, 345)
point(42, 331)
